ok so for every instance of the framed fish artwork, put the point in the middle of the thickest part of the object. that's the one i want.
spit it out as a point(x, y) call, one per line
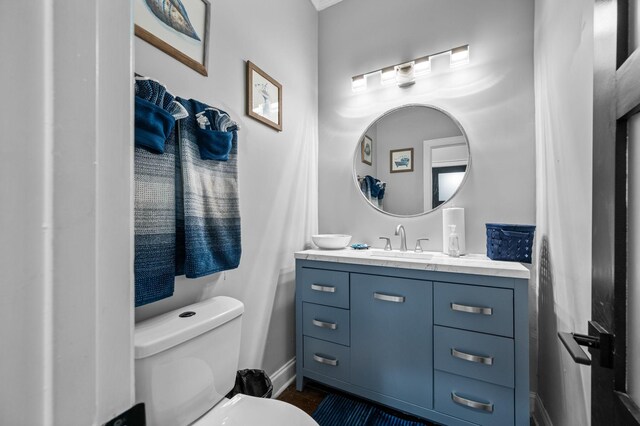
point(180, 28)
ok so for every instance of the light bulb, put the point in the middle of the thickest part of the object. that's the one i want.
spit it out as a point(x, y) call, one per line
point(359, 83)
point(459, 56)
point(422, 66)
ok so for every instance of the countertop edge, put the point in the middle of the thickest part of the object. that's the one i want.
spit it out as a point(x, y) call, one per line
point(490, 268)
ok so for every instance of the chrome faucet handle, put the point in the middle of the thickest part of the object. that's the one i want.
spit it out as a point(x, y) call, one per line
point(418, 248)
point(387, 246)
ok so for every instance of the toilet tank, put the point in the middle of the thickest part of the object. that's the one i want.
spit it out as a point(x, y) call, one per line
point(186, 360)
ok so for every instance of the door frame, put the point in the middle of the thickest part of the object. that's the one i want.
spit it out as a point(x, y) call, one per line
point(616, 98)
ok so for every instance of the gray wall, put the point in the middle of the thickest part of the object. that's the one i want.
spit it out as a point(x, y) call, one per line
point(277, 171)
point(492, 97)
point(564, 120)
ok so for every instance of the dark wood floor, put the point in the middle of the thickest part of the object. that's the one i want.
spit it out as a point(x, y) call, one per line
point(307, 400)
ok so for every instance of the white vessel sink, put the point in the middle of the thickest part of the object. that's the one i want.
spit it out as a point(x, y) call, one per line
point(331, 241)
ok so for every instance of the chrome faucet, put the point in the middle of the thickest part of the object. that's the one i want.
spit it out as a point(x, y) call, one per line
point(403, 237)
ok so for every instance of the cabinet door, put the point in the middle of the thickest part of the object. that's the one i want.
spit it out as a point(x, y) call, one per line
point(391, 337)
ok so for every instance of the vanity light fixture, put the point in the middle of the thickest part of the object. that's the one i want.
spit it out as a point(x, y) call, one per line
point(404, 74)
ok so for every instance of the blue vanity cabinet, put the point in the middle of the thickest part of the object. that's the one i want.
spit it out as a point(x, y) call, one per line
point(391, 328)
point(449, 347)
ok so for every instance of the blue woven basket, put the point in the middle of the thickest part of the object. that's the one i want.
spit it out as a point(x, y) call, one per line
point(510, 242)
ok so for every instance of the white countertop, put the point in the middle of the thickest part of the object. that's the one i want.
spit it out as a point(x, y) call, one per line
point(476, 264)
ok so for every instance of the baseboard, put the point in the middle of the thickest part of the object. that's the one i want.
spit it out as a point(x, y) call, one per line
point(539, 413)
point(282, 378)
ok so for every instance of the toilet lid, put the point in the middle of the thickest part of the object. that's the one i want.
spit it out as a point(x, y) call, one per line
point(243, 410)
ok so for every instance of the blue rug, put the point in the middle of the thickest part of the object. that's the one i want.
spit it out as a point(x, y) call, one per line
point(336, 410)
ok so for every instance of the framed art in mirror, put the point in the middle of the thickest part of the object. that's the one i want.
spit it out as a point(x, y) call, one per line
point(366, 151)
point(401, 160)
point(264, 97)
point(180, 30)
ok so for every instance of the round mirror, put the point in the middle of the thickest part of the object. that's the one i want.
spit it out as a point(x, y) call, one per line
point(411, 160)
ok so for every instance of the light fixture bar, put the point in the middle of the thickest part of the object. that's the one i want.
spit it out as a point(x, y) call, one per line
point(399, 73)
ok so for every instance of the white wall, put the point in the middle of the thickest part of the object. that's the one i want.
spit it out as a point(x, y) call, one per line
point(492, 98)
point(564, 120)
point(65, 180)
point(277, 171)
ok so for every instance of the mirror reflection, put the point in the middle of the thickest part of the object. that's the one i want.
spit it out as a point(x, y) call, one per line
point(411, 160)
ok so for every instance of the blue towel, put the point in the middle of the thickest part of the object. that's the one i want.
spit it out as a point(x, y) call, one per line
point(376, 187)
point(207, 208)
point(154, 209)
point(152, 125)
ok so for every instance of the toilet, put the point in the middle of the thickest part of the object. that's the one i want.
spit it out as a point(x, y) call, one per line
point(185, 364)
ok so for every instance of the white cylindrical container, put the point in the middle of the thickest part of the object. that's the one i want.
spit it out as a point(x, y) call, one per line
point(453, 216)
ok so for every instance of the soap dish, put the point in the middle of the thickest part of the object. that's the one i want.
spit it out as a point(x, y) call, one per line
point(359, 246)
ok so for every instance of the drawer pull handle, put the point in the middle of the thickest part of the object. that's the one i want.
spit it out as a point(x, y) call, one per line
point(471, 404)
point(322, 324)
point(471, 309)
point(388, 298)
point(487, 360)
point(323, 360)
point(323, 288)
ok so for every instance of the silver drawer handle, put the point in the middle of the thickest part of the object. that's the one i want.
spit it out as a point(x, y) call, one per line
point(471, 404)
point(488, 360)
point(322, 324)
point(388, 297)
point(323, 288)
point(471, 309)
point(323, 360)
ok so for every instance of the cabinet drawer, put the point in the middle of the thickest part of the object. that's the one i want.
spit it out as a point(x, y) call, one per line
point(472, 400)
point(475, 355)
point(327, 358)
point(484, 309)
point(326, 323)
point(325, 287)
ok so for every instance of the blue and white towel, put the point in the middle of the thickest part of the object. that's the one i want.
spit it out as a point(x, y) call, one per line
point(373, 189)
point(154, 208)
point(207, 203)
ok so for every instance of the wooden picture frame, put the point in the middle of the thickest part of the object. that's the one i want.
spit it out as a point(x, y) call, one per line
point(187, 45)
point(366, 150)
point(262, 89)
point(401, 160)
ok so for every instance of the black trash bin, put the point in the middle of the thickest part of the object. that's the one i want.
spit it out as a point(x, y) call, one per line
point(252, 382)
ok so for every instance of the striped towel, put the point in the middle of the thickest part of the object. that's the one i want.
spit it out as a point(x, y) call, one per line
point(154, 208)
point(207, 208)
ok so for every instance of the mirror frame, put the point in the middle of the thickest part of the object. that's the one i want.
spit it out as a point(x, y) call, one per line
point(391, 111)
